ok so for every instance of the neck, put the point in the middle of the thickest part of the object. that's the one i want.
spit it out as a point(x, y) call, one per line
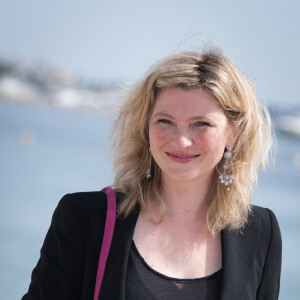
point(186, 201)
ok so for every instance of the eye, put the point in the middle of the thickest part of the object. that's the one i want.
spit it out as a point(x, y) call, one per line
point(199, 124)
point(164, 121)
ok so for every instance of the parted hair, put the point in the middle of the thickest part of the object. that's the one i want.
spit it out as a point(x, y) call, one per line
point(212, 71)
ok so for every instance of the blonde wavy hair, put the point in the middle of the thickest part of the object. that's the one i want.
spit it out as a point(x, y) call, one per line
point(212, 71)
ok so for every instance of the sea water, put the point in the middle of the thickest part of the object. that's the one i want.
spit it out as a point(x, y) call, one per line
point(46, 153)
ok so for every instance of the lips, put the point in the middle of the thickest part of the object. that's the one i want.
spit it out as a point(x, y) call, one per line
point(182, 157)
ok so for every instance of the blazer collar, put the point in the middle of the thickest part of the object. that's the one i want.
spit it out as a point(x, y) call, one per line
point(239, 249)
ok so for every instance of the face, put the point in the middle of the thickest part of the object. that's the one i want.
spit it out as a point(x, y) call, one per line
point(188, 133)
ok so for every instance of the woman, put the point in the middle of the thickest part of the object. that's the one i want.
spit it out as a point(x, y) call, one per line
point(189, 142)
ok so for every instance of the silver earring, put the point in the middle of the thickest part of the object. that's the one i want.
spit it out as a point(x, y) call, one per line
point(148, 173)
point(225, 178)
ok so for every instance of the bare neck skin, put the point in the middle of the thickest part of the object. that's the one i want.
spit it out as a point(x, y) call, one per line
point(185, 201)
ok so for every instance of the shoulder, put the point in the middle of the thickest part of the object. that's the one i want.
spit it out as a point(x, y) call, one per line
point(263, 215)
point(261, 231)
point(81, 206)
point(83, 202)
point(266, 222)
point(261, 222)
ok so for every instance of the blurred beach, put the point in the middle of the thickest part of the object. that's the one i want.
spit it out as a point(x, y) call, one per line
point(47, 152)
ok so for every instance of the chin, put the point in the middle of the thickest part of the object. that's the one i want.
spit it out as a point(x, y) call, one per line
point(186, 177)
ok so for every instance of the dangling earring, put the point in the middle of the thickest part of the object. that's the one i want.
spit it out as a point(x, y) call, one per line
point(224, 178)
point(148, 173)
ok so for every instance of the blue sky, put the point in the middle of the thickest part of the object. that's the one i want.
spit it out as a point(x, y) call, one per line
point(121, 39)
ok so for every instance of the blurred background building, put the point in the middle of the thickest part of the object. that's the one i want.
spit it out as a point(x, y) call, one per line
point(63, 68)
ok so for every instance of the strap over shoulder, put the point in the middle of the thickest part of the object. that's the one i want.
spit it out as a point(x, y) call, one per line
point(107, 238)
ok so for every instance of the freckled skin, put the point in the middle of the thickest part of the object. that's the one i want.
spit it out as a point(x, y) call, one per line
point(188, 133)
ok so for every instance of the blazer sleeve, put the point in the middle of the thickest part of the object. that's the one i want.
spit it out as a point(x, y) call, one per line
point(58, 273)
point(270, 282)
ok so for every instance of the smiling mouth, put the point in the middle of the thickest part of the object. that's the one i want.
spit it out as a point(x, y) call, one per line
point(182, 155)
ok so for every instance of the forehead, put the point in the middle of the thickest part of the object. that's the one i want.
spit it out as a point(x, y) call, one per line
point(183, 102)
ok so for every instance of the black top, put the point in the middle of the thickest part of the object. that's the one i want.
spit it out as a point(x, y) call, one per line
point(142, 282)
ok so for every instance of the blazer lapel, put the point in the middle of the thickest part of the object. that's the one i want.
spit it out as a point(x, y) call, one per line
point(113, 285)
point(238, 258)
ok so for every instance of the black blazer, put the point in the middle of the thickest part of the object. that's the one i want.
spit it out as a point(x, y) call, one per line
point(69, 257)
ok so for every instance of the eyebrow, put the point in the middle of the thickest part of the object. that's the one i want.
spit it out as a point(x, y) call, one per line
point(163, 114)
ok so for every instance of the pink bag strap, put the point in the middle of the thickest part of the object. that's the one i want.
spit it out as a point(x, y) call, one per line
point(107, 238)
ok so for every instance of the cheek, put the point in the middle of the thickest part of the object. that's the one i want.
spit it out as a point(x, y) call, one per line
point(210, 139)
point(159, 136)
point(213, 143)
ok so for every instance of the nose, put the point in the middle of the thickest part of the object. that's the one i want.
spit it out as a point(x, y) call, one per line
point(182, 138)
